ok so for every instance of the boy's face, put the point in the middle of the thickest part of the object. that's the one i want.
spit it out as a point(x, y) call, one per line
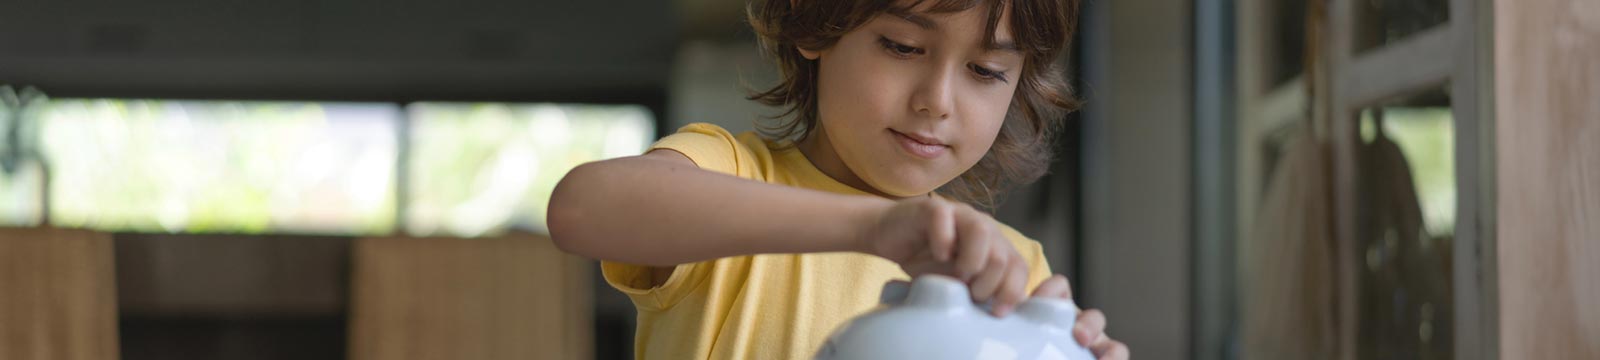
point(911, 101)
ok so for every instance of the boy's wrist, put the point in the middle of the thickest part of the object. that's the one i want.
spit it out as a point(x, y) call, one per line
point(863, 220)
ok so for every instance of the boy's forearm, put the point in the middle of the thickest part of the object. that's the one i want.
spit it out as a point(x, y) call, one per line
point(652, 212)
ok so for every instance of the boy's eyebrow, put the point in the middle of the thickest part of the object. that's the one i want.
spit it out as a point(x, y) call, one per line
point(1005, 45)
point(927, 24)
point(921, 21)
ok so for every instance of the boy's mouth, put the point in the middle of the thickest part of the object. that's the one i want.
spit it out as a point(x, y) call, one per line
point(920, 145)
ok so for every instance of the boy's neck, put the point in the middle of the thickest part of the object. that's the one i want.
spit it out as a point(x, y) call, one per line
point(819, 151)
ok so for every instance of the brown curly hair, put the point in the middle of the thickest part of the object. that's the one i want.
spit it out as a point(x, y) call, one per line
point(1024, 147)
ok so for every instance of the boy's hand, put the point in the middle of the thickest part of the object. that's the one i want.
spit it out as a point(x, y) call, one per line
point(1090, 329)
point(933, 235)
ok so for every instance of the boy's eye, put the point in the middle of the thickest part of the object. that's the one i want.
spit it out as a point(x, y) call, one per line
point(898, 48)
point(987, 74)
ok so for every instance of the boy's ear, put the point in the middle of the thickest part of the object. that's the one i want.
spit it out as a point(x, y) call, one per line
point(808, 54)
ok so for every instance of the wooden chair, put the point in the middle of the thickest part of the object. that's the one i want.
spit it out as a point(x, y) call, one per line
point(511, 297)
point(58, 295)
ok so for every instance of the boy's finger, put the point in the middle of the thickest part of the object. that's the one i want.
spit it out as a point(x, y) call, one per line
point(922, 263)
point(1091, 323)
point(1109, 350)
point(988, 281)
point(972, 238)
point(942, 234)
point(1066, 283)
point(1055, 287)
point(1013, 289)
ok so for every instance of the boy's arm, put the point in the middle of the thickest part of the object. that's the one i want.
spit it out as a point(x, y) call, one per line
point(660, 209)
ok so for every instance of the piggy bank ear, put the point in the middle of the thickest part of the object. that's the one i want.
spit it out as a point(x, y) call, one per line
point(938, 291)
point(1060, 313)
point(894, 292)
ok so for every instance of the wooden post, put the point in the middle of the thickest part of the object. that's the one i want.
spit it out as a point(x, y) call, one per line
point(1547, 116)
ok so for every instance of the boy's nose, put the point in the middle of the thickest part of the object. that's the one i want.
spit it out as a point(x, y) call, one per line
point(933, 97)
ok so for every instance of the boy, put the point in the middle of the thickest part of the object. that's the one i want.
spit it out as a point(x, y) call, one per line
point(901, 116)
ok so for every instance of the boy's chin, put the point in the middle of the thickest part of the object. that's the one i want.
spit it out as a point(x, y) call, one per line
point(910, 184)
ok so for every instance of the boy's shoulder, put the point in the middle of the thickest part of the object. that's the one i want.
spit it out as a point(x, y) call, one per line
point(713, 133)
point(714, 148)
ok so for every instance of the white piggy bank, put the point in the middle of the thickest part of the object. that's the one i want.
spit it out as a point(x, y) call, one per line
point(935, 319)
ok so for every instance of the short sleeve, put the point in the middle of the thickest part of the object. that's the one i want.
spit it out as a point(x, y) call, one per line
point(634, 281)
point(711, 148)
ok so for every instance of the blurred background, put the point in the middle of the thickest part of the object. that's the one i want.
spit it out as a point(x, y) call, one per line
point(1301, 179)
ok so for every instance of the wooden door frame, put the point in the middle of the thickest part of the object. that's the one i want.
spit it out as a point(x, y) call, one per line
point(1457, 54)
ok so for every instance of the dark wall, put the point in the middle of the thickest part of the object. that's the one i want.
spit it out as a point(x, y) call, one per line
point(387, 50)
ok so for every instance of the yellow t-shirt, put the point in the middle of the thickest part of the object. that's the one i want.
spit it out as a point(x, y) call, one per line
point(771, 306)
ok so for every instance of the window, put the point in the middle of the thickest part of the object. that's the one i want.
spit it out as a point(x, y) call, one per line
point(477, 168)
point(221, 166)
point(146, 165)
